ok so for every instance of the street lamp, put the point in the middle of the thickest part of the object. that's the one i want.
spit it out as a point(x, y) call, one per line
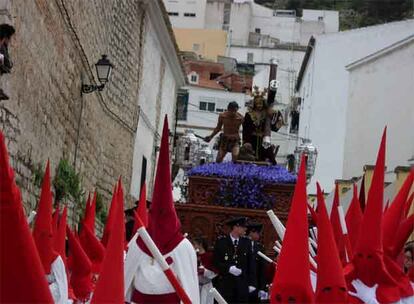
point(103, 70)
point(311, 153)
point(187, 147)
point(205, 155)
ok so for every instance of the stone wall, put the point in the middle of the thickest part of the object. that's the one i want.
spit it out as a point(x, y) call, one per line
point(56, 44)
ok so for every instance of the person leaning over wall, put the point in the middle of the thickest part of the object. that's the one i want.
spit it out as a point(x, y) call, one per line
point(6, 33)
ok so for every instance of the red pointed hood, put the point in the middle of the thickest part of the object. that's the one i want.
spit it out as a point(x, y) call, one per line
point(60, 236)
point(331, 285)
point(163, 224)
point(292, 277)
point(368, 258)
point(42, 231)
point(395, 213)
point(362, 194)
point(110, 219)
point(87, 207)
point(142, 209)
point(21, 268)
point(353, 218)
point(81, 276)
point(336, 226)
point(90, 218)
point(408, 205)
point(404, 231)
point(93, 248)
point(403, 281)
point(110, 285)
point(313, 214)
point(55, 218)
point(387, 204)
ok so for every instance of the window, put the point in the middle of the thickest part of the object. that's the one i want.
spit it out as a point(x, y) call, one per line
point(226, 16)
point(172, 13)
point(203, 106)
point(320, 18)
point(250, 58)
point(207, 106)
point(257, 30)
point(193, 77)
point(294, 123)
point(189, 14)
point(214, 75)
point(284, 13)
point(219, 110)
point(182, 105)
point(196, 47)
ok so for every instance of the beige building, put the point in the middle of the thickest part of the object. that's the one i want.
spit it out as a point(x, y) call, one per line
point(206, 43)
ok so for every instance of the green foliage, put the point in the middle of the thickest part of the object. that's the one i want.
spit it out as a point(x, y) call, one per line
point(364, 12)
point(101, 210)
point(295, 5)
point(68, 187)
point(67, 184)
point(37, 174)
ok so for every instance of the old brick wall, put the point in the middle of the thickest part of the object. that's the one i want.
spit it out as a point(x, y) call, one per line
point(56, 44)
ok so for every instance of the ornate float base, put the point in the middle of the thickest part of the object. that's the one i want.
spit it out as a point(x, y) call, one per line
point(200, 217)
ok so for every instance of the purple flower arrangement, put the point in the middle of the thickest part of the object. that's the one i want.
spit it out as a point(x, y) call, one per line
point(242, 185)
point(266, 174)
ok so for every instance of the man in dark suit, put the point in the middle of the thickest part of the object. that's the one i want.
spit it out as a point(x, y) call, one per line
point(233, 257)
point(253, 233)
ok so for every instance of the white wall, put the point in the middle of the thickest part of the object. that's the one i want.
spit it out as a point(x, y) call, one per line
point(181, 7)
point(284, 28)
point(309, 29)
point(330, 19)
point(325, 91)
point(168, 99)
point(246, 16)
point(214, 15)
point(289, 64)
point(240, 23)
point(145, 140)
point(380, 94)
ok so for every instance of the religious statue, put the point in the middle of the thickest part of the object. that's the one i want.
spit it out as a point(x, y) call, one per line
point(230, 122)
point(257, 126)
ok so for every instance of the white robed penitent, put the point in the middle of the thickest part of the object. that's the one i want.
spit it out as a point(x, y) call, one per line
point(144, 274)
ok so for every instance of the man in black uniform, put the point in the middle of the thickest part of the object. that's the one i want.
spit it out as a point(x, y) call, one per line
point(233, 257)
point(253, 233)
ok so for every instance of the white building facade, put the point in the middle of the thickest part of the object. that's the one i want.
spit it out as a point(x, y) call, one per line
point(380, 94)
point(255, 35)
point(289, 61)
point(324, 88)
point(163, 76)
point(186, 13)
point(248, 22)
point(204, 107)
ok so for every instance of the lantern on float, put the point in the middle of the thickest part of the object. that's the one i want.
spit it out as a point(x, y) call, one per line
point(311, 154)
